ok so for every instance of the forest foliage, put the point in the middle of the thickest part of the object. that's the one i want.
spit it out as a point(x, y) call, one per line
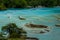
point(4, 4)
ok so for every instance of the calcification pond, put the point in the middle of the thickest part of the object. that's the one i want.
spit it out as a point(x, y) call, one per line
point(49, 17)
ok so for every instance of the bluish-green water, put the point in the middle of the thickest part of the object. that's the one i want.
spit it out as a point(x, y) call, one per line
point(44, 16)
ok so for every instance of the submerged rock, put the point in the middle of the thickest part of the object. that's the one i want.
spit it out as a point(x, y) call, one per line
point(31, 38)
point(42, 32)
point(47, 30)
point(21, 18)
point(36, 26)
point(57, 25)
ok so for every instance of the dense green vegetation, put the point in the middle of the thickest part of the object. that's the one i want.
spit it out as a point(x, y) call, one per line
point(4, 4)
point(11, 31)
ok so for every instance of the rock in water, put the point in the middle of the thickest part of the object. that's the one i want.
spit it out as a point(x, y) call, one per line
point(21, 18)
point(36, 26)
point(42, 32)
point(57, 25)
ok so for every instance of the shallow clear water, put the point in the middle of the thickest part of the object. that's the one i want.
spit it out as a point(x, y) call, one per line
point(44, 16)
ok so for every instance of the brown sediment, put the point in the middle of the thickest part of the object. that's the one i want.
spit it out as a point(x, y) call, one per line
point(21, 18)
point(36, 26)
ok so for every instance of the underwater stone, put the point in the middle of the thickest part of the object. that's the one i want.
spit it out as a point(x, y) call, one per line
point(21, 18)
point(31, 38)
point(57, 25)
point(36, 26)
point(42, 32)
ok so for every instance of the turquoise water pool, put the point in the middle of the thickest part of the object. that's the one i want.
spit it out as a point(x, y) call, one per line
point(45, 16)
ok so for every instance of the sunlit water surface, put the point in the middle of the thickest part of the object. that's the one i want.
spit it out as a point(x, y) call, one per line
point(44, 16)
